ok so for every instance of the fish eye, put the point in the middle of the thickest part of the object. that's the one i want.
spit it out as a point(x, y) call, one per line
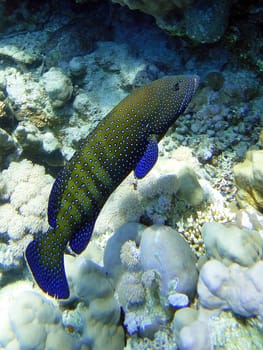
point(176, 86)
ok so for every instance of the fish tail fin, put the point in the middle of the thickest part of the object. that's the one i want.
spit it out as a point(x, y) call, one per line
point(45, 257)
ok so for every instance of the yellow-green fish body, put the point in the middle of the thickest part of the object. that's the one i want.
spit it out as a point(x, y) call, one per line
point(125, 140)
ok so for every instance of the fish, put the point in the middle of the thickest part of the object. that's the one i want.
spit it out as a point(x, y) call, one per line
point(125, 140)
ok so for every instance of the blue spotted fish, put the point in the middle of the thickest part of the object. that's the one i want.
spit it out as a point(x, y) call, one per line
point(125, 140)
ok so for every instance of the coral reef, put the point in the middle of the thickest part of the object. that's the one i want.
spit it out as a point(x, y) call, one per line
point(130, 291)
point(30, 320)
point(202, 21)
point(2, 109)
point(250, 219)
point(200, 331)
point(36, 144)
point(228, 331)
point(130, 256)
point(189, 331)
point(148, 284)
point(81, 104)
point(115, 261)
point(100, 52)
point(12, 258)
point(77, 67)
point(24, 190)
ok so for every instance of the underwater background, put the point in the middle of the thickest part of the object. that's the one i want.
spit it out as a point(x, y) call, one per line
point(175, 261)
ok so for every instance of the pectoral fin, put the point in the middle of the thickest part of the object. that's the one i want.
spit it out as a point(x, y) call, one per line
point(148, 160)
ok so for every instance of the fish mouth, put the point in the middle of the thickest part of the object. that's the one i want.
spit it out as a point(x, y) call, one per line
point(196, 81)
point(192, 84)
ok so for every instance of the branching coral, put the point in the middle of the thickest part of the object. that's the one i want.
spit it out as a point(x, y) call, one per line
point(24, 190)
point(191, 223)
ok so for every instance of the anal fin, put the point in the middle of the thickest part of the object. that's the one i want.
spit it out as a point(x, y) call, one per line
point(47, 267)
point(81, 237)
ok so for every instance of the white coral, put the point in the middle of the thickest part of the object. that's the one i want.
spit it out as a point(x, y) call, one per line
point(26, 187)
point(235, 288)
point(228, 243)
point(30, 321)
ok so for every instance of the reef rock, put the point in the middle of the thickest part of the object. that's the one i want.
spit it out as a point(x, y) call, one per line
point(155, 8)
point(203, 21)
point(205, 330)
point(164, 250)
point(30, 321)
point(154, 272)
point(9, 147)
point(206, 21)
point(228, 244)
point(77, 67)
point(235, 288)
point(249, 180)
point(100, 314)
point(58, 86)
